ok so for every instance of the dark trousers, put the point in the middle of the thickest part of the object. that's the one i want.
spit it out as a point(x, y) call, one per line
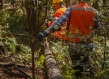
point(81, 59)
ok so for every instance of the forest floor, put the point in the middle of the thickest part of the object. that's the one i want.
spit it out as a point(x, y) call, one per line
point(14, 70)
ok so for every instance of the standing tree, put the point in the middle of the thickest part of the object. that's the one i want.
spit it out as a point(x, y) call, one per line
point(95, 4)
point(33, 9)
point(104, 3)
point(1, 4)
point(33, 28)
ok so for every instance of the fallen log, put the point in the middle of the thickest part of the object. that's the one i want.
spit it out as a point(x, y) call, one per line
point(10, 64)
point(52, 68)
point(14, 66)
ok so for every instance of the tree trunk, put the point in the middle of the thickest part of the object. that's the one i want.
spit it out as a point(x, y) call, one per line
point(95, 4)
point(104, 3)
point(33, 29)
point(67, 3)
point(1, 4)
point(51, 65)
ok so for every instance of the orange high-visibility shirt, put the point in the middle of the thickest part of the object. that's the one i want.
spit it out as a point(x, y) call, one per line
point(57, 14)
point(81, 21)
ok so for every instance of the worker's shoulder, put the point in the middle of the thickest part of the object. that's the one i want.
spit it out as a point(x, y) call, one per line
point(93, 9)
point(88, 7)
point(61, 10)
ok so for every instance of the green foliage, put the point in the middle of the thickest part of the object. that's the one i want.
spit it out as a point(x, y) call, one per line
point(40, 61)
point(11, 44)
point(67, 71)
point(62, 57)
point(16, 21)
point(13, 20)
point(3, 17)
point(36, 77)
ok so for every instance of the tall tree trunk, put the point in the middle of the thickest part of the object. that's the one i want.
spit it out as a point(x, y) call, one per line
point(31, 18)
point(1, 4)
point(68, 3)
point(104, 3)
point(33, 29)
point(95, 4)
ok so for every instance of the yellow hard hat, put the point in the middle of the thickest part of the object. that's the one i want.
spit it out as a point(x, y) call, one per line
point(54, 1)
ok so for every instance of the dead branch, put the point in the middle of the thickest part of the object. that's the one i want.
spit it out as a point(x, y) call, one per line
point(15, 66)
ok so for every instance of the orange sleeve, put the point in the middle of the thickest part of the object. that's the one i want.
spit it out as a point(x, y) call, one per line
point(57, 14)
point(59, 34)
point(49, 23)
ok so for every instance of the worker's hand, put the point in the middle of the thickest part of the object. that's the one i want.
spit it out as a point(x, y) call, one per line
point(42, 35)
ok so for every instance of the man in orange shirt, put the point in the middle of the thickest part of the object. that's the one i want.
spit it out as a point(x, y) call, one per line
point(82, 19)
point(60, 9)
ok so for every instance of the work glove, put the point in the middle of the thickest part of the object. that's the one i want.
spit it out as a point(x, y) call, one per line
point(97, 23)
point(42, 35)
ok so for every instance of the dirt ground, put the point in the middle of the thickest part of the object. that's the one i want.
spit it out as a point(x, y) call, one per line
point(10, 70)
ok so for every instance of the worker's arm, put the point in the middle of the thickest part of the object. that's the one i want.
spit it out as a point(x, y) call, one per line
point(60, 21)
point(57, 15)
point(57, 23)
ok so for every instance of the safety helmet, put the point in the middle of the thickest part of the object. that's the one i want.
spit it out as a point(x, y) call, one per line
point(55, 1)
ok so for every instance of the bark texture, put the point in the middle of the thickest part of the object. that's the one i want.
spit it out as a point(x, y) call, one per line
point(51, 64)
